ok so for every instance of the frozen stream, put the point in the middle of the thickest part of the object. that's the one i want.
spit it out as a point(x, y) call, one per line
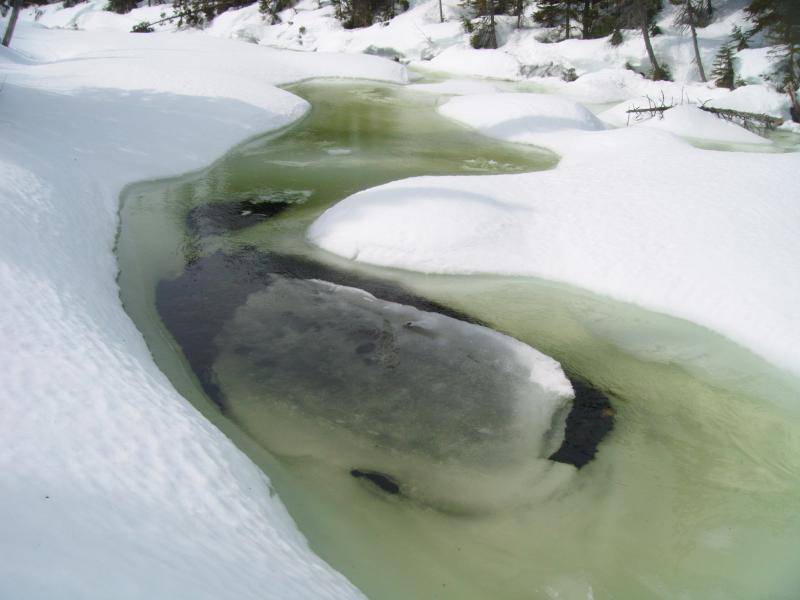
point(694, 494)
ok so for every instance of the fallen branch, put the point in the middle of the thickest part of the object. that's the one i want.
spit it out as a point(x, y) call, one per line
point(756, 122)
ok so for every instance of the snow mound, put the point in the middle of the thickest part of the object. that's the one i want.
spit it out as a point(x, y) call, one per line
point(513, 116)
point(690, 122)
point(632, 213)
point(755, 99)
point(476, 63)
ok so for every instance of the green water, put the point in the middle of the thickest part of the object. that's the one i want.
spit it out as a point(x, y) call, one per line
point(695, 494)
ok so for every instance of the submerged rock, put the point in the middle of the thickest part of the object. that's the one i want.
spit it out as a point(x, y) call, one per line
point(589, 421)
point(408, 380)
point(407, 375)
point(216, 218)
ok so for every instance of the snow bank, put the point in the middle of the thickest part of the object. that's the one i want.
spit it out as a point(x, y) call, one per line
point(476, 63)
point(756, 99)
point(633, 213)
point(111, 484)
point(690, 121)
point(513, 116)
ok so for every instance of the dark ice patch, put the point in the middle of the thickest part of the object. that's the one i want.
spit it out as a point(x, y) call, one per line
point(381, 480)
point(218, 218)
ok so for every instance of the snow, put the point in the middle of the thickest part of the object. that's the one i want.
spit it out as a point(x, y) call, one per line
point(110, 482)
point(476, 63)
point(690, 121)
point(686, 120)
point(756, 99)
point(417, 37)
point(513, 116)
point(634, 213)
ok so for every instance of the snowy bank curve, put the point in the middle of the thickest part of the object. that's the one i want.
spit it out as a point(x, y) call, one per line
point(636, 214)
point(110, 479)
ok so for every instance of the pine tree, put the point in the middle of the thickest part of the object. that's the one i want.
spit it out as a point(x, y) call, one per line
point(640, 14)
point(557, 14)
point(484, 32)
point(196, 13)
point(271, 8)
point(121, 6)
point(741, 38)
point(645, 10)
point(780, 22)
point(687, 18)
point(12, 21)
point(363, 13)
point(723, 71)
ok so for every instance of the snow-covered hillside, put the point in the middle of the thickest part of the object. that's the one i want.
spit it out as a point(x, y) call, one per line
point(111, 484)
point(417, 38)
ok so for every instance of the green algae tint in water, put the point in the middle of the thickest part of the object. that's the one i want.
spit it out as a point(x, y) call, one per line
point(695, 494)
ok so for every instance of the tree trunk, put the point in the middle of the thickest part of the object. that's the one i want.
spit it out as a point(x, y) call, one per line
point(520, 10)
point(566, 18)
point(12, 22)
point(697, 59)
point(791, 85)
point(646, 35)
point(587, 19)
point(441, 12)
point(492, 41)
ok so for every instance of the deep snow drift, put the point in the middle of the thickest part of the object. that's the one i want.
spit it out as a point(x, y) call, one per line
point(635, 213)
point(111, 484)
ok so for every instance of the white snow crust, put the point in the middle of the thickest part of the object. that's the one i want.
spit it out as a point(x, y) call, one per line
point(111, 484)
point(605, 73)
point(516, 115)
point(635, 213)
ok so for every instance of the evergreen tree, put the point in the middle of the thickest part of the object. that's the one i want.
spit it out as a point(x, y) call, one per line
point(484, 32)
point(640, 14)
point(121, 6)
point(15, 7)
point(591, 16)
point(363, 13)
point(271, 8)
point(741, 38)
point(687, 18)
point(780, 22)
point(561, 15)
point(723, 71)
point(196, 13)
